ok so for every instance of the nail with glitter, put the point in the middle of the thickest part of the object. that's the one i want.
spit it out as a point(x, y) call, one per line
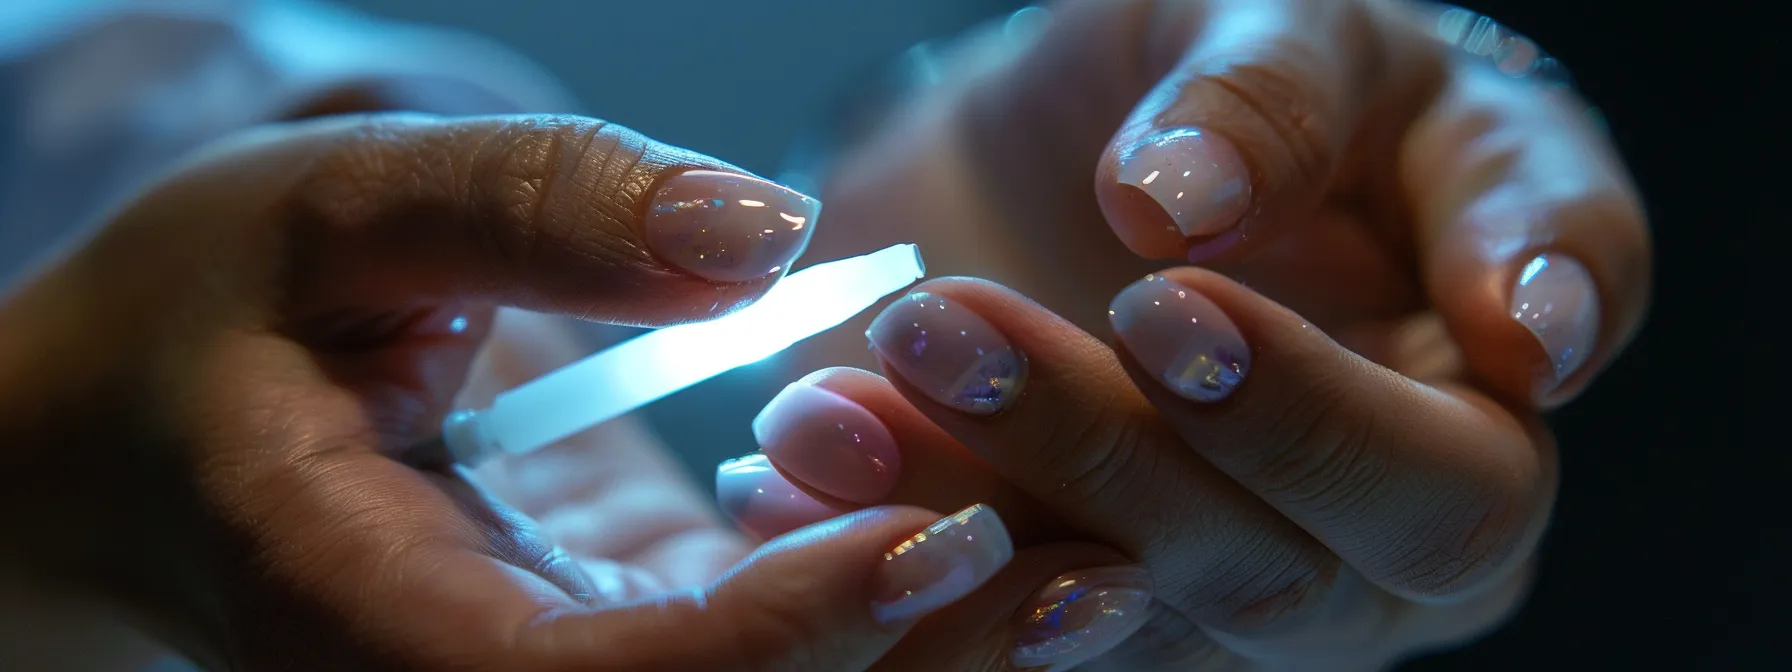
point(1197, 178)
point(953, 355)
point(829, 443)
point(729, 227)
point(1081, 615)
point(1181, 337)
point(1554, 297)
point(941, 564)
point(761, 501)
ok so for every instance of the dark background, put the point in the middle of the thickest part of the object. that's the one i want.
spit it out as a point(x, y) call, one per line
point(1666, 552)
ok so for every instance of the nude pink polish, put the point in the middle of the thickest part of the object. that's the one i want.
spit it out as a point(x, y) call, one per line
point(761, 501)
point(943, 563)
point(1556, 300)
point(729, 227)
point(1198, 178)
point(829, 443)
point(1182, 338)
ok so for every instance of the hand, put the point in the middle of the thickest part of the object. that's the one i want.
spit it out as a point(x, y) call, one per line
point(1357, 170)
point(225, 401)
point(1435, 252)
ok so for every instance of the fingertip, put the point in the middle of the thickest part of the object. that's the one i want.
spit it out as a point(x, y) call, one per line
point(1173, 192)
point(762, 502)
point(1555, 299)
point(829, 442)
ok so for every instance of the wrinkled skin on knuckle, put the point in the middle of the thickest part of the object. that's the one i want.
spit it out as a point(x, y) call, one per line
point(1279, 86)
point(1470, 535)
point(1263, 584)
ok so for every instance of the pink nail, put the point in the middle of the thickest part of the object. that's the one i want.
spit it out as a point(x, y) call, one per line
point(1198, 178)
point(1081, 615)
point(829, 443)
point(1181, 337)
point(729, 227)
point(943, 563)
point(954, 355)
point(1555, 299)
point(758, 498)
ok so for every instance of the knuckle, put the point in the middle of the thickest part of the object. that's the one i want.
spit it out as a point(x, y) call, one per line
point(1280, 83)
point(558, 190)
point(366, 172)
point(1092, 450)
point(1264, 587)
point(1318, 453)
point(1472, 534)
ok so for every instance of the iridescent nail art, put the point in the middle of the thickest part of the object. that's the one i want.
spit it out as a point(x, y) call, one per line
point(1182, 338)
point(952, 354)
point(1080, 615)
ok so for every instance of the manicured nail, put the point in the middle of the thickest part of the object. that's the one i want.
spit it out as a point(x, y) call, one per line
point(956, 357)
point(1081, 615)
point(1198, 179)
point(729, 227)
point(945, 562)
point(1181, 337)
point(829, 443)
point(761, 501)
point(1555, 299)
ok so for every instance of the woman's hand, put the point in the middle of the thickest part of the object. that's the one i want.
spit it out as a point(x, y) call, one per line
point(1340, 159)
point(1335, 467)
point(220, 413)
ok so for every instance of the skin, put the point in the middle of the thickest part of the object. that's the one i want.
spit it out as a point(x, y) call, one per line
point(1388, 456)
point(222, 396)
point(226, 402)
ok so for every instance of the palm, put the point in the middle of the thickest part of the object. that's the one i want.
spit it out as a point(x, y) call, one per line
point(610, 497)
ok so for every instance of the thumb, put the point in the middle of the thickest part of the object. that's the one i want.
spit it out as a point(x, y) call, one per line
point(833, 596)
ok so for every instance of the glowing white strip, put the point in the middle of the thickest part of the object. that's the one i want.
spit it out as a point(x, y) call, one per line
point(644, 369)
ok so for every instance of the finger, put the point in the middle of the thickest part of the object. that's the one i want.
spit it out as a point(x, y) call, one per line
point(846, 437)
point(1053, 607)
point(557, 214)
point(1430, 492)
point(1531, 237)
point(764, 503)
point(1256, 104)
point(1081, 440)
point(834, 596)
point(828, 428)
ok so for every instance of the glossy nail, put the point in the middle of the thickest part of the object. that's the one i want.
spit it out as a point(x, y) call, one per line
point(1197, 177)
point(1081, 615)
point(729, 227)
point(1556, 300)
point(761, 501)
point(945, 562)
point(1181, 337)
point(829, 443)
point(956, 357)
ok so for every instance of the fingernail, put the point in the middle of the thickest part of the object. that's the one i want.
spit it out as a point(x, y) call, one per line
point(729, 227)
point(829, 443)
point(1198, 178)
point(1081, 615)
point(1181, 337)
point(760, 500)
point(945, 562)
point(1555, 299)
point(956, 357)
